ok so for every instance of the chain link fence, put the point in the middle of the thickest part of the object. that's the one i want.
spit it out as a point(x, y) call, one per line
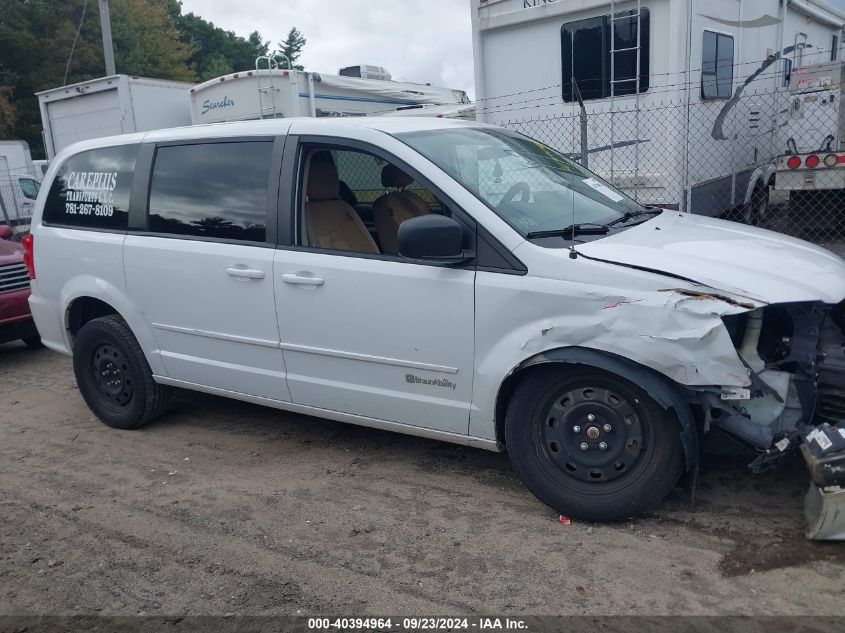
point(772, 159)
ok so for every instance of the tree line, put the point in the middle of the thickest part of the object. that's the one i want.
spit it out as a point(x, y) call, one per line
point(45, 44)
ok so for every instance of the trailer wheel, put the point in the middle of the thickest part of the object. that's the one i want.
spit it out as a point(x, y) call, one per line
point(592, 445)
point(755, 211)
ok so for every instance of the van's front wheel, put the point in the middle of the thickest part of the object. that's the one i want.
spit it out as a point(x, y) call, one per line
point(592, 445)
point(114, 377)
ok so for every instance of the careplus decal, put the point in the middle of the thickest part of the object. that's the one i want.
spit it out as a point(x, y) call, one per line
point(90, 193)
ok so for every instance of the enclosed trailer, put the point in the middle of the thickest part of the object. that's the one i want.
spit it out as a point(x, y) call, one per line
point(276, 93)
point(682, 99)
point(119, 104)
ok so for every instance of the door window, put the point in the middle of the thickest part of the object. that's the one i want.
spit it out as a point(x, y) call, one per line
point(355, 201)
point(29, 187)
point(213, 190)
point(717, 65)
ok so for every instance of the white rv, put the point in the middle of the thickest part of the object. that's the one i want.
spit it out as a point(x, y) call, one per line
point(106, 106)
point(681, 98)
point(276, 93)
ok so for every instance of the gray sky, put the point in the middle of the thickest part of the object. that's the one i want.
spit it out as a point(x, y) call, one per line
point(416, 40)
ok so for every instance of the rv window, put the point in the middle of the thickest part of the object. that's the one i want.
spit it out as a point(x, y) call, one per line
point(91, 189)
point(834, 48)
point(214, 190)
point(717, 66)
point(600, 54)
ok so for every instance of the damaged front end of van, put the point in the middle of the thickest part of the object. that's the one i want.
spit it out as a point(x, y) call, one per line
point(794, 356)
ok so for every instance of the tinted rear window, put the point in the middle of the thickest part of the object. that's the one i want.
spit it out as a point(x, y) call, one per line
point(211, 190)
point(92, 189)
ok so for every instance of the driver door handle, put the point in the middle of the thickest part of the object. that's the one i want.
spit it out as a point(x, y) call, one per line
point(299, 279)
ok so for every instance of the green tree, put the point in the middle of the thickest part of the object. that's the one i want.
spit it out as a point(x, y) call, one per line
point(8, 112)
point(147, 43)
point(217, 50)
point(292, 47)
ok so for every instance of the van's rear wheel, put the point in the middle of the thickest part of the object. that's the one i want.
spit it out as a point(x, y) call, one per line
point(114, 377)
point(592, 445)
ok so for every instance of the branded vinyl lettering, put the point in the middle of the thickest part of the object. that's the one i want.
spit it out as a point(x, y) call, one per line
point(209, 105)
point(527, 4)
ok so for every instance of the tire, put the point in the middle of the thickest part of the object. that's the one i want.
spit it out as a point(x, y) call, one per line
point(547, 423)
point(33, 342)
point(114, 377)
point(755, 211)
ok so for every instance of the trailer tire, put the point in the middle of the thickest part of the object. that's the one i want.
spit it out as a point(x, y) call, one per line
point(633, 457)
point(754, 213)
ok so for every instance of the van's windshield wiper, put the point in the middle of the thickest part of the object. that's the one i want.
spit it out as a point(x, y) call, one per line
point(630, 215)
point(571, 231)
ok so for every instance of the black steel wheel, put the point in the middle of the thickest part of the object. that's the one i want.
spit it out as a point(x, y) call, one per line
point(591, 444)
point(114, 377)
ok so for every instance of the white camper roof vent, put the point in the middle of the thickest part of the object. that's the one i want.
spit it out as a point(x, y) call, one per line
point(365, 71)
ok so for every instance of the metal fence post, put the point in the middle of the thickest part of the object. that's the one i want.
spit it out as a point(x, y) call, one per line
point(5, 212)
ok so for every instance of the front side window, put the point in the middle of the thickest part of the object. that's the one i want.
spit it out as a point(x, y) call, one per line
point(600, 56)
point(216, 190)
point(91, 189)
point(717, 65)
point(529, 185)
point(356, 201)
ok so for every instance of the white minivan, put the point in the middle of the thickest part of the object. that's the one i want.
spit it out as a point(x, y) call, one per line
point(435, 277)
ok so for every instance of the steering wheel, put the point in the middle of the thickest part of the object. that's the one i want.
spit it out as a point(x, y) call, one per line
point(519, 189)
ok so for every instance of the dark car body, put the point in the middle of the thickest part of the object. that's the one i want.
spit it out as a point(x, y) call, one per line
point(15, 318)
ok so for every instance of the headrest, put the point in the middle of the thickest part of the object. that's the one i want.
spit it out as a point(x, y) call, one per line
point(323, 183)
point(394, 177)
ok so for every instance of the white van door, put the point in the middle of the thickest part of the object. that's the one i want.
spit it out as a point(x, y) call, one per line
point(203, 269)
point(364, 332)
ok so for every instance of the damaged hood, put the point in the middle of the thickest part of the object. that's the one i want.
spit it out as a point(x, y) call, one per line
point(738, 259)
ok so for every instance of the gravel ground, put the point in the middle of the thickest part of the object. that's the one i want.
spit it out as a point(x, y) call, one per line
point(224, 507)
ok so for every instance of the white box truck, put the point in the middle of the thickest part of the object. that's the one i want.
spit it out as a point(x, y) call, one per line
point(682, 96)
point(119, 104)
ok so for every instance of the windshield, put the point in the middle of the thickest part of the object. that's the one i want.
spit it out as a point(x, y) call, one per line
point(529, 185)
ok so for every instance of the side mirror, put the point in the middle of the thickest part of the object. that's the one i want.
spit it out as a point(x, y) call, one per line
point(433, 239)
point(6, 232)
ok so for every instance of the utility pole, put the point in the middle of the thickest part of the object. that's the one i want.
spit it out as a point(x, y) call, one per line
point(105, 26)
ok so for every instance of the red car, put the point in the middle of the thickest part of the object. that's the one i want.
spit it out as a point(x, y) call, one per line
point(15, 319)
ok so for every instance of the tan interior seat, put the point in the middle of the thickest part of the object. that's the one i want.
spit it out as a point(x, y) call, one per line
point(394, 207)
point(329, 221)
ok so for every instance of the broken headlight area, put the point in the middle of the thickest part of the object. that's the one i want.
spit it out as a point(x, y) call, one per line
point(795, 358)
